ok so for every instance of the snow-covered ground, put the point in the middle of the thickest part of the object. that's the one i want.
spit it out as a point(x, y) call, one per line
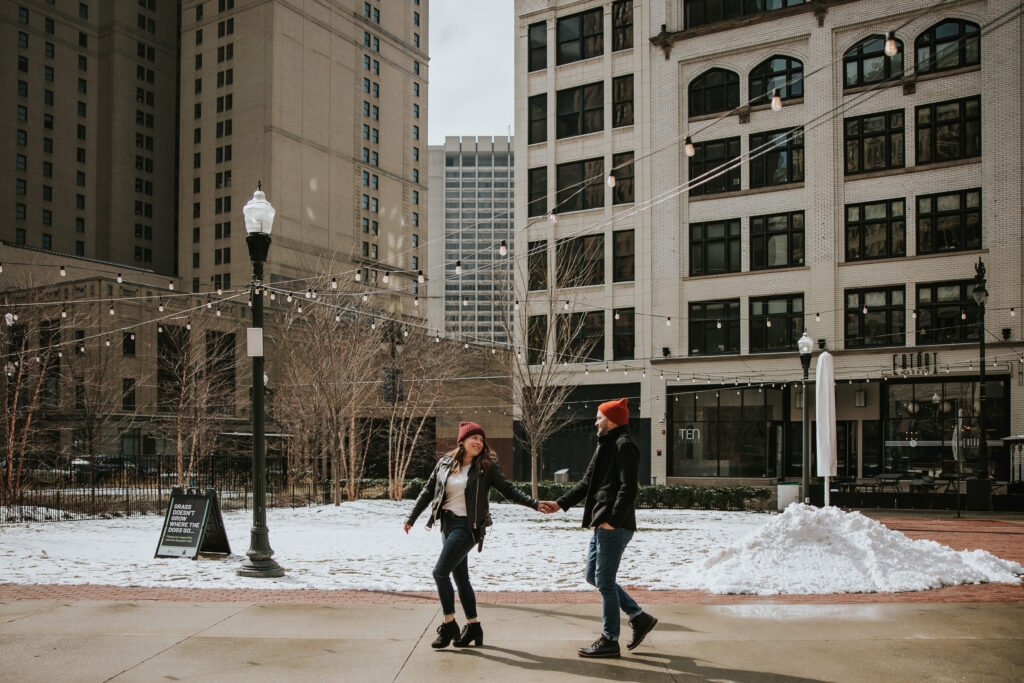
point(361, 546)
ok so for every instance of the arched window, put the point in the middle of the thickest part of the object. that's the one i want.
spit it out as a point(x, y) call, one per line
point(784, 74)
point(866, 62)
point(713, 91)
point(950, 44)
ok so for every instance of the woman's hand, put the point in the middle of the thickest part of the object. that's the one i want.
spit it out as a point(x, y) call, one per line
point(606, 525)
point(406, 527)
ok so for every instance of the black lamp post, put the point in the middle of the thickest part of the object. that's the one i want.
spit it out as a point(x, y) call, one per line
point(981, 298)
point(259, 218)
point(804, 345)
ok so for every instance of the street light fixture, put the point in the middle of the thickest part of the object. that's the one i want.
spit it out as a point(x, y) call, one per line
point(804, 346)
point(259, 218)
point(981, 298)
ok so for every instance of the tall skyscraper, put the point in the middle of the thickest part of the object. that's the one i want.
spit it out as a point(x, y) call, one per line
point(91, 111)
point(472, 183)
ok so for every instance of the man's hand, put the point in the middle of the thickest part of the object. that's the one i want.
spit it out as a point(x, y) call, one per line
point(548, 506)
point(406, 527)
point(606, 525)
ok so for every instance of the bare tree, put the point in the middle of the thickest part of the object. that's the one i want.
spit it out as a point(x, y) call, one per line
point(550, 330)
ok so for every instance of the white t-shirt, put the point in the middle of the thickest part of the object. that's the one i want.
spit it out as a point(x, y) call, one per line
point(455, 492)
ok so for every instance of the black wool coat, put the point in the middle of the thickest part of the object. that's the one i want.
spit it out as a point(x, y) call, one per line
point(609, 483)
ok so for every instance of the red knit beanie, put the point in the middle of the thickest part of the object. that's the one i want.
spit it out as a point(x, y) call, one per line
point(616, 411)
point(468, 429)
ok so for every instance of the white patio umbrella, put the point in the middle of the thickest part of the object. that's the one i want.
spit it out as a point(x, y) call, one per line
point(825, 413)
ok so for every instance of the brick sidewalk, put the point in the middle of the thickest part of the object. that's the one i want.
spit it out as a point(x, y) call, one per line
point(1003, 539)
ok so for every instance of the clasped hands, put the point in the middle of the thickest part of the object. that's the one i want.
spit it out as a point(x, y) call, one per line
point(548, 506)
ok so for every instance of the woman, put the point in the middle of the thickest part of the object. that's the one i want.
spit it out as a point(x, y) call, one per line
point(457, 492)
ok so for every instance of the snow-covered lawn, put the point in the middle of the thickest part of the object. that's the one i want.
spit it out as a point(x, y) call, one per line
point(361, 546)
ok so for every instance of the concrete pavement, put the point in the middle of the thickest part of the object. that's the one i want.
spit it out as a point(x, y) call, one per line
point(51, 640)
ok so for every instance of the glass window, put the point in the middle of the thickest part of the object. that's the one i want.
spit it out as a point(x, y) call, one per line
point(622, 101)
point(950, 221)
point(623, 334)
point(580, 110)
point(715, 247)
point(950, 44)
point(776, 322)
point(538, 124)
point(714, 327)
point(875, 317)
point(874, 142)
point(580, 36)
point(581, 336)
point(536, 338)
point(876, 230)
point(537, 265)
point(622, 25)
point(701, 12)
point(949, 130)
point(622, 170)
point(709, 156)
point(777, 157)
point(537, 57)
point(537, 190)
point(946, 313)
point(579, 261)
point(778, 73)
point(866, 62)
point(580, 185)
point(623, 252)
point(715, 90)
point(777, 241)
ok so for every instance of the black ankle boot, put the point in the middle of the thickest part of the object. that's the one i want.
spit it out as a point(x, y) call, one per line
point(470, 632)
point(446, 632)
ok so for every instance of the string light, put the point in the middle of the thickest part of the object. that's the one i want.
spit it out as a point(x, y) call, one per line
point(690, 151)
point(963, 315)
point(218, 311)
point(503, 248)
point(515, 307)
point(63, 311)
point(111, 308)
point(160, 305)
point(300, 307)
point(220, 292)
point(776, 100)
point(309, 293)
point(1013, 313)
point(334, 283)
point(616, 315)
point(553, 216)
point(891, 48)
point(416, 301)
point(768, 323)
point(63, 271)
point(1, 267)
point(387, 276)
point(465, 301)
point(119, 278)
point(817, 317)
point(170, 284)
point(437, 339)
point(611, 181)
point(289, 298)
point(914, 314)
point(458, 267)
point(209, 303)
point(566, 306)
point(188, 324)
point(718, 324)
point(108, 343)
point(419, 277)
point(359, 277)
point(668, 323)
point(365, 298)
point(864, 310)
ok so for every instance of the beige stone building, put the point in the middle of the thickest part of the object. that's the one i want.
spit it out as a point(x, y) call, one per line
point(857, 210)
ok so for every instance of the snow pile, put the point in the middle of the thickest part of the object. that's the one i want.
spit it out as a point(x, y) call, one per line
point(812, 550)
point(32, 513)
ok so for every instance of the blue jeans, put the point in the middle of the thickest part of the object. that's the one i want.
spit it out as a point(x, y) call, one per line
point(606, 547)
point(458, 541)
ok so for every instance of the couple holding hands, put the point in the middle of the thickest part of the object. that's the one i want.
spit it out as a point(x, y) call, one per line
point(458, 491)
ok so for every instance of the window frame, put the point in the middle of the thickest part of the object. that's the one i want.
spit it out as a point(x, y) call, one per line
point(579, 185)
point(862, 223)
point(579, 261)
point(869, 48)
point(537, 112)
point(623, 260)
point(537, 46)
point(624, 171)
point(576, 112)
point(537, 191)
point(622, 25)
point(758, 252)
point(764, 76)
point(763, 162)
point(698, 165)
point(732, 239)
point(927, 138)
point(855, 323)
point(931, 45)
point(933, 215)
point(962, 331)
point(791, 320)
point(590, 42)
point(622, 101)
point(703, 320)
point(697, 92)
point(861, 137)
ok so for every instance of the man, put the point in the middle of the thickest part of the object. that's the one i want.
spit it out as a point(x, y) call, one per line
point(610, 489)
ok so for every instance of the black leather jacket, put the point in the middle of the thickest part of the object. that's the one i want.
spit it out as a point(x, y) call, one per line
point(609, 483)
point(478, 485)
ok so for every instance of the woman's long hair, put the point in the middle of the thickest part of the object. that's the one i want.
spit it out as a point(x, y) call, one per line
point(482, 461)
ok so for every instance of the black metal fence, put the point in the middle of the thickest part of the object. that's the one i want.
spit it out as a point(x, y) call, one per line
point(118, 486)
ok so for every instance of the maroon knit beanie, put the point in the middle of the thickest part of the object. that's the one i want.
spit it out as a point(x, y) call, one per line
point(467, 429)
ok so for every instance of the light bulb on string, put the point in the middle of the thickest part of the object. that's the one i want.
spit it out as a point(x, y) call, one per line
point(690, 151)
point(817, 317)
point(159, 330)
point(108, 343)
point(160, 305)
point(768, 322)
point(288, 298)
point(466, 345)
point(405, 333)
point(1, 267)
point(170, 284)
point(566, 306)
point(273, 296)
point(718, 324)
point(553, 216)
point(309, 293)
point(611, 181)
point(63, 271)
point(63, 311)
point(111, 308)
point(458, 267)
point(217, 311)
point(188, 324)
point(358, 276)
point(891, 48)
point(864, 310)
point(300, 307)
point(365, 298)
point(668, 322)
point(515, 307)
point(132, 336)
point(616, 315)
point(119, 278)
point(334, 282)
point(416, 301)
point(220, 291)
point(914, 314)
point(465, 301)
point(337, 317)
point(419, 277)
point(209, 303)
point(437, 339)
point(387, 277)
point(963, 315)
point(503, 248)
point(776, 100)
point(1013, 312)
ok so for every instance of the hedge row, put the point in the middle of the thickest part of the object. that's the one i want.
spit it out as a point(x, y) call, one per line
point(674, 496)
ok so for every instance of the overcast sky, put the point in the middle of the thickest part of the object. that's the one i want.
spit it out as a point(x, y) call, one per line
point(471, 88)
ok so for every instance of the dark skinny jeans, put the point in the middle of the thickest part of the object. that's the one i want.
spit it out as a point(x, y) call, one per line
point(458, 541)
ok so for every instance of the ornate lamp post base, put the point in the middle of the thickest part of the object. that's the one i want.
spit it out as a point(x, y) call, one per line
point(260, 563)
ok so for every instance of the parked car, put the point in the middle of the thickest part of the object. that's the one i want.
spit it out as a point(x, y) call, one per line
point(101, 467)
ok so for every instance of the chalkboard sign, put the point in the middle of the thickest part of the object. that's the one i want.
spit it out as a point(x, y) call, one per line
point(193, 525)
